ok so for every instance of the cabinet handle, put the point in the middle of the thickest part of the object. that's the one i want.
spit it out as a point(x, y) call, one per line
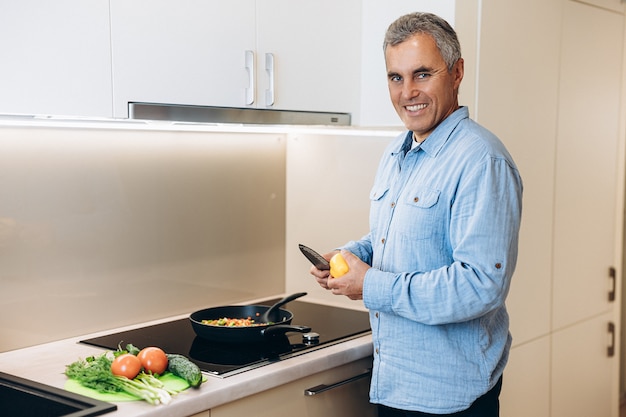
point(323, 387)
point(612, 276)
point(610, 351)
point(250, 68)
point(269, 67)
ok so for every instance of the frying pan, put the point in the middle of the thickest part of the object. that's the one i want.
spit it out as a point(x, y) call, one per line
point(258, 333)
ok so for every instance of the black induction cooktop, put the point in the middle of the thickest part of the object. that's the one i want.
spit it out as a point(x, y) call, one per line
point(332, 324)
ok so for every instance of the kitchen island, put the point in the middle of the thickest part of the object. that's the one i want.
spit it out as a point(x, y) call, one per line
point(45, 363)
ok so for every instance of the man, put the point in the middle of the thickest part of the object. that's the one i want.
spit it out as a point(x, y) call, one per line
point(435, 268)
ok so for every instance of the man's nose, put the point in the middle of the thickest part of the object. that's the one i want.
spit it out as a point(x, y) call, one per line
point(409, 89)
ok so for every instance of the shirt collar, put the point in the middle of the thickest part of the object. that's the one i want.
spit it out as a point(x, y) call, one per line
point(435, 141)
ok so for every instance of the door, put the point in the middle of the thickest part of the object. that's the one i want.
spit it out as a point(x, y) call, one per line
point(316, 50)
point(585, 223)
point(56, 58)
point(582, 370)
point(181, 52)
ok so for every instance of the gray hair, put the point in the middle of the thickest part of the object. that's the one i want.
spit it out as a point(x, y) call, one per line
point(429, 24)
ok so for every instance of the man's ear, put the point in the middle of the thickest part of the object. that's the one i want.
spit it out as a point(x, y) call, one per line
point(458, 70)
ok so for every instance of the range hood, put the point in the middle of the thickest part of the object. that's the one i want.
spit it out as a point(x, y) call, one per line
point(204, 114)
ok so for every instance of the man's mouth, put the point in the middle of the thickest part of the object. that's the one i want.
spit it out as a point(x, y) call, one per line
point(416, 107)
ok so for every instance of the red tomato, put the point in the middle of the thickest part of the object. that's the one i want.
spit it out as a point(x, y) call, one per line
point(153, 359)
point(126, 365)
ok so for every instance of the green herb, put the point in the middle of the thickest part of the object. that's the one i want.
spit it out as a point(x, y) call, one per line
point(130, 348)
point(95, 372)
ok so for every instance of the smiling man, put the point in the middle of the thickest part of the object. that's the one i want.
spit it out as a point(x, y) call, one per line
point(436, 266)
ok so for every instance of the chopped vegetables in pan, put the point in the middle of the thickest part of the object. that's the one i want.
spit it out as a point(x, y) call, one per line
point(230, 322)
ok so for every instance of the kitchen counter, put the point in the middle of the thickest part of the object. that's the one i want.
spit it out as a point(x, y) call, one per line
point(45, 363)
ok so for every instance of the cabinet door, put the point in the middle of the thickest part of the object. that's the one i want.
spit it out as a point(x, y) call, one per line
point(56, 58)
point(526, 381)
point(347, 400)
point(316, 47)
point(183, 52)
point(587, 161)
point(194, 52)
point(582, 371)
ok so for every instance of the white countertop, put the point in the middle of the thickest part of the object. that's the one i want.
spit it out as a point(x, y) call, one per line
point(46, 363)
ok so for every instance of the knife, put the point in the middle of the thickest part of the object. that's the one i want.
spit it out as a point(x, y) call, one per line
point(316, 259)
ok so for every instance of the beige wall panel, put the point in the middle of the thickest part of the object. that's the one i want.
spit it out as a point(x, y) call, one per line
point(329, 178)
point(104, 228)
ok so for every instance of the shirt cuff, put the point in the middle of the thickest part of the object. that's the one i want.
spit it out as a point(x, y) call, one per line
point(377, 290)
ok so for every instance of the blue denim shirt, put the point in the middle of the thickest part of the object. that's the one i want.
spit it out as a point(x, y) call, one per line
point(444, 226)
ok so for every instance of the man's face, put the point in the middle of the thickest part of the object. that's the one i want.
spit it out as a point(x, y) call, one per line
point(422, 90)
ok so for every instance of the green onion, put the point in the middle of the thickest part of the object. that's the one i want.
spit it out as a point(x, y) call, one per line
point(95, 372)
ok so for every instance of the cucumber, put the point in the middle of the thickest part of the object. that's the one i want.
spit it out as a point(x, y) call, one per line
point(182, 367)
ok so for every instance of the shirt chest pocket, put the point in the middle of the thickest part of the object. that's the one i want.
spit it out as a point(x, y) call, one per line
point(378, 202)
point(418, 215)
point(422, 198)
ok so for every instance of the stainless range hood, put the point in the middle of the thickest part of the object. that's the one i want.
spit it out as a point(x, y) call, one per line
point(202, 114)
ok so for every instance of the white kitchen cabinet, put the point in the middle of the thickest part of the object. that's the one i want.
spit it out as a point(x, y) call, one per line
point(583, 371)
point(585, 224)
point(316, 50)
point(562, 126)
point(526, 381)
point(185, 52)
point(589, 165)
point(347, 400)
point(196, 52)
point(56, 58)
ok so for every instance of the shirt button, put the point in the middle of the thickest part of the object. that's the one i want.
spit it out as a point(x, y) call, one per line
point(377, 351)
point(416, 199)
point(393, 205)
point(382, 241)
point(498, 265)
point(376, 314)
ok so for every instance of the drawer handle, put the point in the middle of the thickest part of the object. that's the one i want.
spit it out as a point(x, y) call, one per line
point(323, 387)
point(610, 351)
point(613, 278)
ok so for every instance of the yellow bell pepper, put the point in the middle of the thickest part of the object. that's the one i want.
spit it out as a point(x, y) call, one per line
point(338, 266)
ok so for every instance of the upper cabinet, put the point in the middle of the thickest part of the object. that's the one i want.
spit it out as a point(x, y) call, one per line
point(92, 58)
point(270, 54)
point(56, 58)
point(186, 52)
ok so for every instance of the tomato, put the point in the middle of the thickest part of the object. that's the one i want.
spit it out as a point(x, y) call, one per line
point(126, 365)
point(153, 359)
point(338, 266)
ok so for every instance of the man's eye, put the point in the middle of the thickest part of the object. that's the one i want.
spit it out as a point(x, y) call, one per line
point(395, 78)
point(422, 75)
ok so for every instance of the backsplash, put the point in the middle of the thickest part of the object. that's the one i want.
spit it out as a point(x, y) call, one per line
point(101, 228)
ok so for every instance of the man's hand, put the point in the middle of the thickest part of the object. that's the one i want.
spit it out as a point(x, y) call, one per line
point(350, 284)
point(321, 276)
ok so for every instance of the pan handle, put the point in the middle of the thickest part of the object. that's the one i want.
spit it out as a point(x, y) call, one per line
point(271, 315)
point(281, 329)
